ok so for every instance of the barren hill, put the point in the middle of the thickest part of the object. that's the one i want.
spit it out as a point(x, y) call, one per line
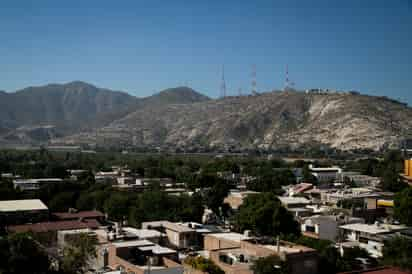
point(269, 120)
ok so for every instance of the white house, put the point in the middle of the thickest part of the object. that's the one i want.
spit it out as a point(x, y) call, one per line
point(325, 174)
point(370, 237)
point(325, 226)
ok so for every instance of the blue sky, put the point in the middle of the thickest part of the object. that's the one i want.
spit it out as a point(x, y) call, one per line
point(145, 46)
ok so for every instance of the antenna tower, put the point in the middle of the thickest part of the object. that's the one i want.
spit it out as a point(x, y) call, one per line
point(287, 78)
point(223, 84)
point(254, 90)
point(288, 83)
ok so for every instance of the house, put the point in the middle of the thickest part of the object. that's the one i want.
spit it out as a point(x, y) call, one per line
point(79, 215)
point(125, 180)
point(143, 234)
point(22, 211)
point(234, 253)
point(325, 174)
point(298, 189)
point(181, 235)
point(76, 173)
point(106, 176)
point(139, 257)
point(370, 237)
point(359, 179)
point(44, 227)
point(297, 206)
point(294, 202)
point(34, 184)
point(333, 196)
point(10, 176)
point(325, 227)
point(120, 233)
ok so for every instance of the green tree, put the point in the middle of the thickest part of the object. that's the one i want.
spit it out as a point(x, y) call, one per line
point(270, 265)
point(390, 168)
point(117, 206)
point(350, 259)
point(264, 215)
point(62, 201)
point(270, 180)
point(307, 175)
point(24, 255)
point(215, 195)
point(78, 253)
point(203, 264)
point(403, 206)
point(398, 252)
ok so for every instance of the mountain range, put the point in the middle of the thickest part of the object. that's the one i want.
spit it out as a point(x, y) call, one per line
point(80, 113)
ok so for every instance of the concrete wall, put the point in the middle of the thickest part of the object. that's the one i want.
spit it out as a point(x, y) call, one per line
point(230, 269)
point(212, 243)
point(116, 262)
point(328, 230)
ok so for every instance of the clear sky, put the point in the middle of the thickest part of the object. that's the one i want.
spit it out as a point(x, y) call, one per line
point(145, 46)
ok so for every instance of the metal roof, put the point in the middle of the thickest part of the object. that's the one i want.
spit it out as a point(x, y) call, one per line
point(22, 205)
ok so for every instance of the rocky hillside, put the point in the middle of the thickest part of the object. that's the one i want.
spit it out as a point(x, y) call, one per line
point(37, 114)
point(67, 106)
point(269, 120)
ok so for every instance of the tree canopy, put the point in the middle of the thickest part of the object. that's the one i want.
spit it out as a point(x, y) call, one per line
point(21, 254)
point(264, 215)
point(398, 252)
point(403, 206)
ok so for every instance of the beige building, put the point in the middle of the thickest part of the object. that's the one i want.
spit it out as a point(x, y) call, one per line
point(141, 257)
point(181, 235)
point(235, 253)
point(23, 211)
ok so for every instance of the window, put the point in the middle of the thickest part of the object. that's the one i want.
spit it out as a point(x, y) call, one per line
point(310, 228)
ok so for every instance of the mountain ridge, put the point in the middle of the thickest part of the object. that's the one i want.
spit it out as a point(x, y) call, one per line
point(72, 107)
point(81, 113)
point(268, 121)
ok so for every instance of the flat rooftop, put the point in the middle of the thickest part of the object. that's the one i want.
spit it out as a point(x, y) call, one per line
point(142, 233)
point(22, 205)
point(168, 225)
point(35, 181)
point(293, 200)
point(54, 226)
point(289, 248)
point(79, 214)
point(137, 243)
point(157, 249)
point(374, 229)
point(230, 236)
